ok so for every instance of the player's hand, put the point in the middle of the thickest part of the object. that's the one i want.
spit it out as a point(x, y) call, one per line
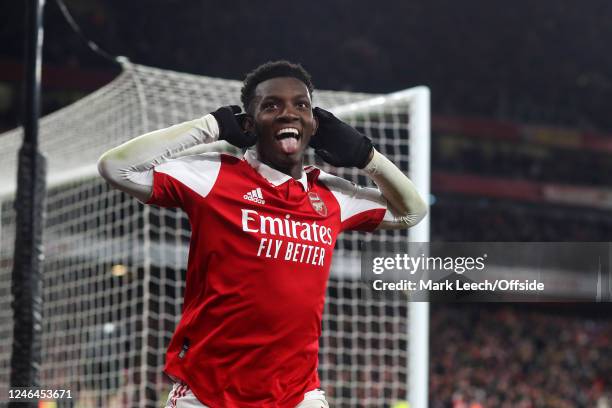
point(229, 118)
point(339, 144)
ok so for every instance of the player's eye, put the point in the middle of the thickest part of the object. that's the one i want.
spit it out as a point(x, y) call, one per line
point(269, 105)
point(303, 105)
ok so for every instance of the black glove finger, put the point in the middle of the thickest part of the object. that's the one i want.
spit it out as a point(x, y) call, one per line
point(240, 118)
point(322, 114)
point(323, 118)
point(315, 140)
point(225, 119)
point(235, 109)
point(230, 121)
point(326, 119)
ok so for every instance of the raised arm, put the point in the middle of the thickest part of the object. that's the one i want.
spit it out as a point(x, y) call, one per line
point(343, 146)
point(404, 201)
point(129, 167)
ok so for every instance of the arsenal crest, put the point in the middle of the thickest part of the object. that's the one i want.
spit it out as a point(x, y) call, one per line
point(317, 204)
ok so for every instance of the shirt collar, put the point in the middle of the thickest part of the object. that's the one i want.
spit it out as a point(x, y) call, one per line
point(275, 177)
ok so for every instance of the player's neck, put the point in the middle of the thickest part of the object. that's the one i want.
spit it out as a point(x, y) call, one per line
point(294, 170)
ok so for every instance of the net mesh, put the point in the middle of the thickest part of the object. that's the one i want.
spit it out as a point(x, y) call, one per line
point(114, 269)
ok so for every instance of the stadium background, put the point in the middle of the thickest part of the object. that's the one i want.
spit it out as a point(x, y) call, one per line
point(522, 141)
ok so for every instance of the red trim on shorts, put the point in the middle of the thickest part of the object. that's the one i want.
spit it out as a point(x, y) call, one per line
point(178, 392)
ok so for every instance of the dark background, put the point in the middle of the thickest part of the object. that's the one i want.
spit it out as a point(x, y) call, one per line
point(546, 61)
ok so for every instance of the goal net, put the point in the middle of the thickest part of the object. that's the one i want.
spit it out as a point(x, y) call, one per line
point(114, 269)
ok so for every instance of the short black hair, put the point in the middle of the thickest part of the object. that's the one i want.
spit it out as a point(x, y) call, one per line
point(269, 70)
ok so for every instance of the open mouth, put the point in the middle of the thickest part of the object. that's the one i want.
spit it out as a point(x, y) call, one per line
point(288, 138)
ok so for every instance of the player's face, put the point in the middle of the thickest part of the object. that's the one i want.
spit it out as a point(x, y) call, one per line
point(284, 123)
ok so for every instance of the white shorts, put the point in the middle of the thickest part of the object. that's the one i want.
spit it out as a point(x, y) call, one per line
point(181, 397)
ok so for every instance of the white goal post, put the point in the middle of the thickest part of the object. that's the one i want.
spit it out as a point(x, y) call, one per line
point(113, 275)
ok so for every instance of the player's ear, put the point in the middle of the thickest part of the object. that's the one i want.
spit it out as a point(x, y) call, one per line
point(248, 123)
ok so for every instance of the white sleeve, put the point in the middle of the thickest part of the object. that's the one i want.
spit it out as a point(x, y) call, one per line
point(129, 167)
point(361, 208)
point(405, 206)
point(396, 205)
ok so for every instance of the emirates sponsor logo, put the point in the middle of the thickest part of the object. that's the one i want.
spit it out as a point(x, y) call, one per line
point(254, 222)
point(273, 232)
point(255, 195)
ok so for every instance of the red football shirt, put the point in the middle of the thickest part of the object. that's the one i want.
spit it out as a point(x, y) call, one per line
point(259, 258)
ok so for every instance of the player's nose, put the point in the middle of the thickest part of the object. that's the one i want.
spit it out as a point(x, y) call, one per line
point(288, 114)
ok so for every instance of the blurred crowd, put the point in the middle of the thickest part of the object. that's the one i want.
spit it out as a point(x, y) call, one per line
point(524, 161)
point(460, 218)
point(553, 70)
point(505, 356)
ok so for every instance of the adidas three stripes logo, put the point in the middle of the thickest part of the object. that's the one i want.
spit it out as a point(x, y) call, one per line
point(255, 196)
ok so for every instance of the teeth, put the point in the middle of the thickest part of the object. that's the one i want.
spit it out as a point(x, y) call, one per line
point(287, 130)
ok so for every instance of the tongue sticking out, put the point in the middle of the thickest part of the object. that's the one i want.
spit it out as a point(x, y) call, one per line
point(289, 145)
